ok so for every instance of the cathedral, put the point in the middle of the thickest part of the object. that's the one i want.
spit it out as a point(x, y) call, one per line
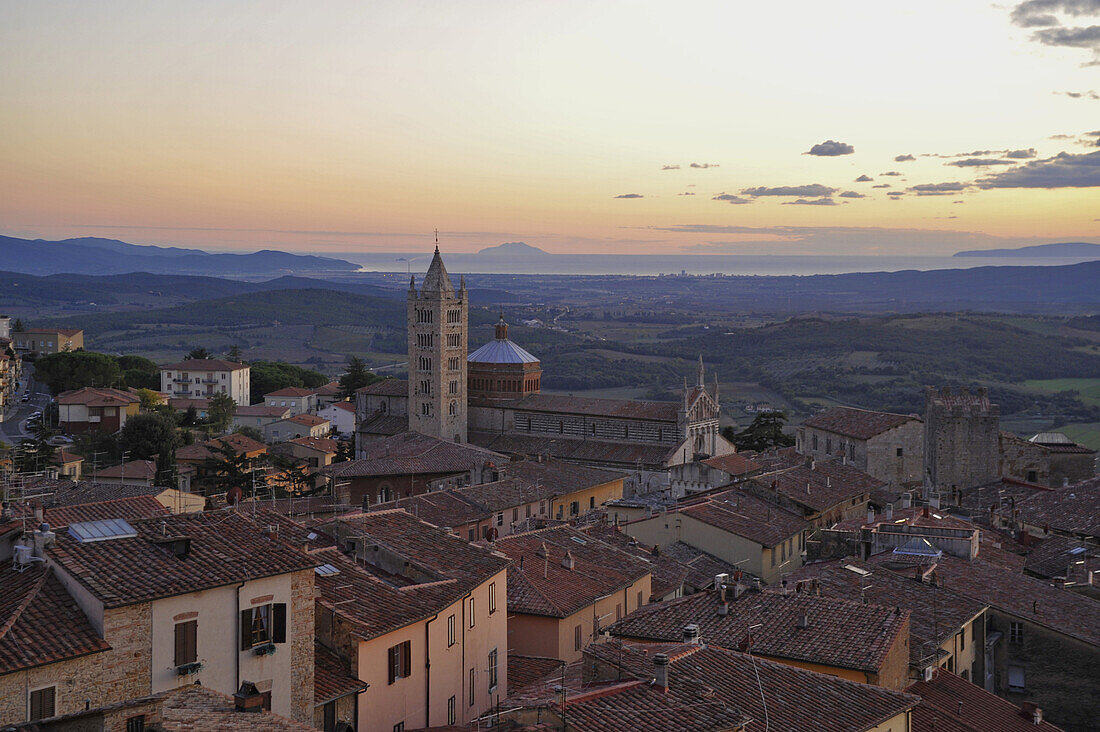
point(492, 398)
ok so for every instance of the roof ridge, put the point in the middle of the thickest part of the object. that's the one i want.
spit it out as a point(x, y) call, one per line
point(18, 612)
point(534, 588)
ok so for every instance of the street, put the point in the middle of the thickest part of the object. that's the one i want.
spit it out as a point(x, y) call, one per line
point(13, 428)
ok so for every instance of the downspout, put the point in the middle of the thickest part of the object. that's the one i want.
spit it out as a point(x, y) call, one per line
point(465, 696)
point(237, 639)
point(427, 674)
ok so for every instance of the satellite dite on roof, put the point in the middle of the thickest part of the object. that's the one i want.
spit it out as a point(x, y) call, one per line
point(102, 530)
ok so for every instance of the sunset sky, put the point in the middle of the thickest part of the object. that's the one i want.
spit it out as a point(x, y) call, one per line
point(604, 127)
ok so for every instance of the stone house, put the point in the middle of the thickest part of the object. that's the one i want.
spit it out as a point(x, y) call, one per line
point(961, 441)
point(186, 598)
point(1049, 459)
point(823, 491)
point(417, 614)
point(715, 472)
point(258, 416)
point(565, 588)
point(381, 410)
point(295, 426)
point(294, 398)
point(44, 341)
point(889, 447)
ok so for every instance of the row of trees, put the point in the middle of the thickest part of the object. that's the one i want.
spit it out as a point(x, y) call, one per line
point(76, 369)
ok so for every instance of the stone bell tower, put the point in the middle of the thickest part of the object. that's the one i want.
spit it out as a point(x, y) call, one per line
point(437, 326)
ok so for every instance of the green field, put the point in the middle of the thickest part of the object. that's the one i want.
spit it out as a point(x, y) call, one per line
point(1089, 389)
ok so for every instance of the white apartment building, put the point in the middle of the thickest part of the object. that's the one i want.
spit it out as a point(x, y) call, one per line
point(203, 378)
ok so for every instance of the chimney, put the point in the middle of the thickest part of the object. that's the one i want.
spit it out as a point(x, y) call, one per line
point(870, 515)
point(1028, 710)
point(828, 481)
point(906, 500)
point(567, 560)
point(691, 633)
point(248, 698)
point(889, 511)
point(738, 590)
point(803, 621)
point(756, 584)
point(723, 608)
point(43, 537)
point(721, 579)
point(660, 671)
point(39, 513)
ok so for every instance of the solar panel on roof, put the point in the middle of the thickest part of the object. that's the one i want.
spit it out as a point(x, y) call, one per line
point(326, 570)
point(101, 530)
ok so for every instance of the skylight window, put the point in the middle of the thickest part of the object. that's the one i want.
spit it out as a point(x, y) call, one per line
point(102, 530)
point(326, 570)
point(857, 570)
point(578, 539)
point(1077, 550)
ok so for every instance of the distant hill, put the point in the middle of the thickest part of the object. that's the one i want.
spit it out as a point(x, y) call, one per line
point(94, 256)
point(514, 249)
point(1062, 249)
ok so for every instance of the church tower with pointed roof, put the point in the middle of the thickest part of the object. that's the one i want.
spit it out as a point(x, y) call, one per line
point(437, 326)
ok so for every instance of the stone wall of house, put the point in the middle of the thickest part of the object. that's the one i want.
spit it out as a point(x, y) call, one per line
point(75, 680)
point(301, 647)
point(961, 440)
point(345, 712)
point(897, 456)
point(1024, 460)
point(125, 672)
point(894, 673)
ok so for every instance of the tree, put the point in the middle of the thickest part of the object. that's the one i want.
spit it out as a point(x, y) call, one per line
point(199, 353)
point(167, 475)
point(227, 470)
point(17, 326)
point(76, 369)
point(139, 372)
point(345, 451)
point(765, 432)
point(219, 413)
point(269, 376)
point(234, 354)
point(145, 435)
point(150, 399)
point(355, 377)
point(250, 432)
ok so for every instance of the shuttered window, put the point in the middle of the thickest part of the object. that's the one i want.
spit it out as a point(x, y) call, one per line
point(400, 661)
point(187, 642)
point(263, 624)
point(42, 703)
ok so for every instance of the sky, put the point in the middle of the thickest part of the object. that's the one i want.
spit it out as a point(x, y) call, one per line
point(877, 128)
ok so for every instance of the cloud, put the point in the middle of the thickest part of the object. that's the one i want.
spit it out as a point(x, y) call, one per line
point(938, 189)
point(704, 166)
point(890, 172)
point(864, 179)
point(730, 198)
point(1061, 137)
point(1080, 95)
point(630, 195)
point(686, 193)
point(979, 162)
point(811, 202)
point(958, 202)
point(895, 195)
point(1021, 154)
point(1087, 37)
point(852, 194)
point(1041, 13)
point(904, 158)
point(882, 185)
point(670, 167)
point(830, 148)
point(1064, 170)
point(811, 190)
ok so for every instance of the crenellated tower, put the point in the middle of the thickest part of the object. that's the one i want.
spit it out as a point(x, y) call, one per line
point(437, 326)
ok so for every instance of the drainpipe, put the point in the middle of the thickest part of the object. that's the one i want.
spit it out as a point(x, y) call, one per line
point(428, 673)
point(237, 639)
point(462, 630)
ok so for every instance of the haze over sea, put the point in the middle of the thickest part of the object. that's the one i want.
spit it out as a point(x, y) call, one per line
point(694, 264)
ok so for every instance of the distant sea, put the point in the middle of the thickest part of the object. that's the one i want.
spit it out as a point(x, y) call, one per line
point(696, 264)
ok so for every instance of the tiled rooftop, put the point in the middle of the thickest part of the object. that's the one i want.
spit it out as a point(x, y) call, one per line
point(1058, 556)
point(859, 424)
point(414, 453)
point(332, 677)
point(540, 585)
point(386, 387)
point(226, 547)
point(709, 688)
point(950, 703)
point(747, 516)
point(384, 424)
point(667, 573)
point(560, 476)
point(40, 623)
point(290, 392)
point(97, 397)
point(1073, 509)
point(307, 420)
point(131, 470)
point(936, 613)
point(204, 364)
point(824, 485)
point(626, 454)
point(320, 444)
point(623, 408)
point(204, 450)
point(62, 492)
point(734, 463)
point(840, 633)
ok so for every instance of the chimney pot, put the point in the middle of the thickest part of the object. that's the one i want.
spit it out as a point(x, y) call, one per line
point(889, 511)
point(660, 671)
point(723, 608)
point(691, 633)
point(248, 698)
point(803, 621)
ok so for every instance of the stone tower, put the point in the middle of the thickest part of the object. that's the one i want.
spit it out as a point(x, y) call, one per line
point(961, 441)
point(437, 325)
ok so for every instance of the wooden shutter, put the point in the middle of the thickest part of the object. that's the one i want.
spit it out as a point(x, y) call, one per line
point(246, 629)
point(278, 622)
point(42, 703)
point(186, 642)
point(391, 661)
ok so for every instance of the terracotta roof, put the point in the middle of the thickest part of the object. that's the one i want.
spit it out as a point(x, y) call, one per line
point(290, 391)
point(40, 623)
point(840, 633)
point(446, 568)
point(260, 410)
point(446, 508)
point(332, 388)
point(226, 547)
point(622, 408)
point(69, 492)
point(1074, 509)
point(68, 332)
point(914, 516)
point(321, 444)
point(667, 575)
point(1016, 594)
point(130, 508)
point(936, 613)
point(241, 444)
point(627, 454)
point(711, 688)
point(345, 406)
point(734, 464)
point(1057, 556)
point(386, 387)
point(949, 702)
point(183, 404)
point(332, 677)
point(962, 398)
point(523, 671)
point(97, 397)
point(829, 483)
point(309, 420)
point(559, 476)
point(859, 424)
point(747, 516)
point(539, 585)
point(204, 364)
point(63, 457)
point(414, 453)
point(385, 424)
point(137, 469)
point(702, 567)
